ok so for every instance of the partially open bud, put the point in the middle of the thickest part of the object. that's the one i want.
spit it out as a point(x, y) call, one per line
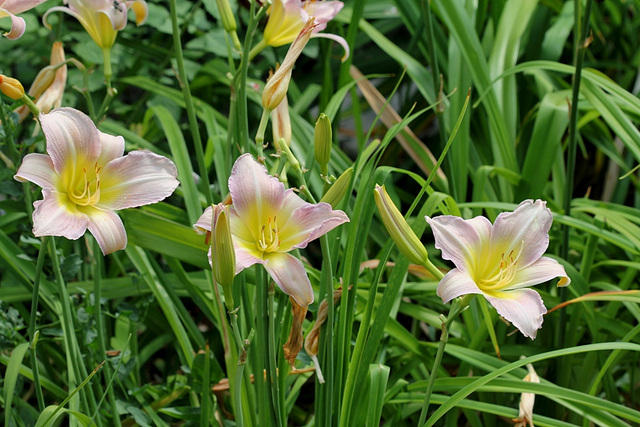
point(11, 87)
point(277, 86)
point(337, 191)
point(400, 231)
point(322, 141)
point(281, 122)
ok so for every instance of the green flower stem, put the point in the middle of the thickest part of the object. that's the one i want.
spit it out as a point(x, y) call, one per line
point(272, 371)
point(264, 119)
point(259, 47)
point(33, 333)
point(264, 406)
point(242, 360)
point(97, 292)
point(191, 112)
point(457, 306)
point(106, 54)
point(111, 94)
point(328, 361)
point(433, 269)
point(31, 105)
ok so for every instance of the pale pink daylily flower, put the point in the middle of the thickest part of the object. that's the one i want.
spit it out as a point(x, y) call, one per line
point(287, 17)
point(500, 261)
point(11, 8)
point(102, 19)
point(85, 178)
point(268, 221)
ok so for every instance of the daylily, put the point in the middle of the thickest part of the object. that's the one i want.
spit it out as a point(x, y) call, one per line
point(268, 221)
point(48, 87)
point(287, 17)
point(11, 87)
point(500, 261)
point(11, 8)
point(85, 178)
point(102, 19)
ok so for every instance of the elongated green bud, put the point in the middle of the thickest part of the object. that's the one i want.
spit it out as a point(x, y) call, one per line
point(223, 254)
point(226, 16)
point(337, 191)
point(403, 236)
point(322, 141)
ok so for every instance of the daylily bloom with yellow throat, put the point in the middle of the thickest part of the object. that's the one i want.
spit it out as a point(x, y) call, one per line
point(287, 17)
point(268, 221)
point(11, 8)
point(85, 178)
point(500, 261)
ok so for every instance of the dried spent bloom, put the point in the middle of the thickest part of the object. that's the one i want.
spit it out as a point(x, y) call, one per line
point(49, 85)
point(500, 261)
point(398, 228)
point(288, 17)
point(295, 341)
point(276, 88)
point(11, 8)
point(85, 178)
point(11, 87)
point(268, 221)
point(527, 400)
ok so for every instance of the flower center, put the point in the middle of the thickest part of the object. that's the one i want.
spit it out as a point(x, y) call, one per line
point(507, 270)
point(86, 190)
point(269, 240)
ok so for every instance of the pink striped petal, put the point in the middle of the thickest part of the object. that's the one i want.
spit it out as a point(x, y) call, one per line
point(322, 11)
point(19, 6)
point(307, 223)
point(137, 179)
point(456, 283)
point(72, 138)
point(55, 216)
point(205, 220)
point(256, 195)
point(527, 227)
point(108, 230)
point(18, 26)
point(246, 257)
point(460, 241)
point(522, 307)
point(37, 168)
point(111, 147)
point(289, 274)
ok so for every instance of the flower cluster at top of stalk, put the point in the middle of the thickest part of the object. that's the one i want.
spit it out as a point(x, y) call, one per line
point(268, 221)
point(11, 8)
point(500, 261)
point(85, 178)
point(288, 17)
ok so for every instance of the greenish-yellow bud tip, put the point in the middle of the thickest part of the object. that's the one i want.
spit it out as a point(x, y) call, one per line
point(223, 254)
point(322, 140)
point(398, 228)
point(337, 191)
point(226, 16)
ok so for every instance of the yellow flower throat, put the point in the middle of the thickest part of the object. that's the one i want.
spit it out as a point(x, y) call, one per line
point(80, 191)
point(269, 240)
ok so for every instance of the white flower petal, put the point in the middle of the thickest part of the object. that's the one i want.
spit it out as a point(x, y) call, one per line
point(108, 230)
point(539, 272)
point(289, 274)
point(246, 257)
point(307, 223)
point(456, 283)
point(111, 147)
point(55, 216)
point(37, 168)
point(137, 179)
point(205, 220)
point(522, 307)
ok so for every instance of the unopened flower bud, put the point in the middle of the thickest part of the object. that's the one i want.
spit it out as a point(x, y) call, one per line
point(322, 141)
point(281, 122)
point(277, 86)
point(11, 87)
point(226, 16)
point(400, 231)
point(337, 191)
point(223, 254)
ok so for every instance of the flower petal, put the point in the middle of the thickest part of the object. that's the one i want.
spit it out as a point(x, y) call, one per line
point(72, 138)
point(18, 26)
point(37, 168)
point(289, 274)
point(137, 179)
point(245, 257)
point(322, 11)
point(527, 227)
point(308, 222)
point(456, 283)
point(540, 271)
point(522, 307)
point(140, 9)
point(256, 195)
point(19, 6)
point(56, 216)
point(336, 38)
point(205, 220)
point(461, 241)
point(108, 230)
point(111, 147)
